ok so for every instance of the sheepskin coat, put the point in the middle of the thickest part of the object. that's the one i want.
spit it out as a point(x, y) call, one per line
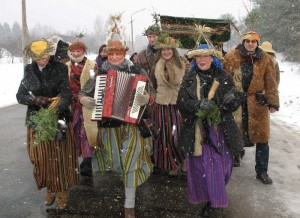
point(168, 88)
point(90, 126)
point(260, 78)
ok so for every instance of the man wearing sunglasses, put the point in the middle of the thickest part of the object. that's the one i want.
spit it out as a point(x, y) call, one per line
point(254, 74)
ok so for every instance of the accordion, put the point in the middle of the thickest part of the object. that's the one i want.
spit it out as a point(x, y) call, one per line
point(115, 94)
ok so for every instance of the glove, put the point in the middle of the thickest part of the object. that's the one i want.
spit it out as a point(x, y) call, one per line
point(205, 104)
point(40, 101)
point(260, 97)
point(143, 99)
point(88, 102)
point(229, 96)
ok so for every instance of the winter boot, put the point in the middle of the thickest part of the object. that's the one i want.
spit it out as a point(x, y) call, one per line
point(129, 213)
point(86, 168)
point(62, 200)
point(50, 198)
point(207, 210)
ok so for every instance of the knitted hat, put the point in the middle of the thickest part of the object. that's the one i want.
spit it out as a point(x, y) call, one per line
point(251, 35)
point(203, 49)
point(39, 49)
point(77, 45)
point(166, 42)
point(267, 47)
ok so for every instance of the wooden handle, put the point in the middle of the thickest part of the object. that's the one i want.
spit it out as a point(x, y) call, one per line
point(213, 90)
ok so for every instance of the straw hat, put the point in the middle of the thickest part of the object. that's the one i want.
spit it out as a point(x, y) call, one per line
point(203, 49)
point(267, 47)
point(39, 49)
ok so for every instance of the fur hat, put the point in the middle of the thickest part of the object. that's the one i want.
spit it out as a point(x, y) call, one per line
point(39, 49)
point(165, 41)
point(267, 47)
point(251, 35)
point(116, 45)
point(152, 30)
point(61, 50)
point(77, 45)
point(203, 49)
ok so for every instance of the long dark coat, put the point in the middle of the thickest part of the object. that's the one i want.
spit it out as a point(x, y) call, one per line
point(188, 105)
point(50, 82)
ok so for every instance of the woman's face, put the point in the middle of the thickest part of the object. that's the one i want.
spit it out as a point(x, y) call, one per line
point(115, 58)
point(77, 52)
point(43, 62)
point(103, 53)
point(204, 61)
point(167, 53)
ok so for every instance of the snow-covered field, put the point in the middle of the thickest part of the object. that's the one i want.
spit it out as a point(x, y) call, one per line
point(289, 88)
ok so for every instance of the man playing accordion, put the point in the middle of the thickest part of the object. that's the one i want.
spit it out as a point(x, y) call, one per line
point(120, 144)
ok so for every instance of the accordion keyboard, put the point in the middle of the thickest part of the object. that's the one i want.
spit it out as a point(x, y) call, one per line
point(99, 90)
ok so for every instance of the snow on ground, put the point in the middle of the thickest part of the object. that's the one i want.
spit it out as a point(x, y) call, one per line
point(289, 88)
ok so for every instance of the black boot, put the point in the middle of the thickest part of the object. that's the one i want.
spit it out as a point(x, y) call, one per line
point(207, 210)
point(86, 168)
point(264, 178)
point(236, 161)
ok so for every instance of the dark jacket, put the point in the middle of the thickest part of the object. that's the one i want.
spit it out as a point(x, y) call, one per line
point(188, 105)
point(50, 82)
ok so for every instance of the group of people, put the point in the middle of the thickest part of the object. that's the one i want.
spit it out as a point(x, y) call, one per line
point(206, 111)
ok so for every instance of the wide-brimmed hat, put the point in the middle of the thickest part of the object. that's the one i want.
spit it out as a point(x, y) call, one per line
point(203, 49)
point(166, 42)
point(39, 49)
point(251, 35)
point(267, 47)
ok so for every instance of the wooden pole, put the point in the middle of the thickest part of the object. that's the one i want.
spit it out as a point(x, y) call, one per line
point(25, 34)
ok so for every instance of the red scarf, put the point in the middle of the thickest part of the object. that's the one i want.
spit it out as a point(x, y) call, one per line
point(76, 70)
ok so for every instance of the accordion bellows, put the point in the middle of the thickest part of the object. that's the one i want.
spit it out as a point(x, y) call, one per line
point(115, 94)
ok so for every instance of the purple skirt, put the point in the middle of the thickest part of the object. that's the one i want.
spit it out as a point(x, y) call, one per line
point(209, 173)
point(81, 142)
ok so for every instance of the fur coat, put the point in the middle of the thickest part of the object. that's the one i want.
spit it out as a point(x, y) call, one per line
point(263, 80)
point(168, 78)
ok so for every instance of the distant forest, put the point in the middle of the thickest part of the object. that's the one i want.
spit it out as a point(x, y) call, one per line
point(276, 21)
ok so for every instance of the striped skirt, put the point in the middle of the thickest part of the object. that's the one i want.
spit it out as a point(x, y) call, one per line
point(81, 141)
point(167, 154)
point(209, 173)
point(124, 151)
point(55, 164)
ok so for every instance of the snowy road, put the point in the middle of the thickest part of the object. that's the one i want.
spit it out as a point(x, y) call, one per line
point(160, 196)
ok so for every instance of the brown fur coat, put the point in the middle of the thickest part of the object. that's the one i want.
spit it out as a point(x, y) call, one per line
point(263, 80)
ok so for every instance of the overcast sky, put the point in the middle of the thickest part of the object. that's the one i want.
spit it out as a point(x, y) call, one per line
point(79, 15)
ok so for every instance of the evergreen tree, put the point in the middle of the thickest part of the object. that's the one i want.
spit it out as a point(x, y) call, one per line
point(279, 23)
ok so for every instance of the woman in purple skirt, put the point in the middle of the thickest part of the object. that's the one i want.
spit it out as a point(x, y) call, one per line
point(209, 134)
